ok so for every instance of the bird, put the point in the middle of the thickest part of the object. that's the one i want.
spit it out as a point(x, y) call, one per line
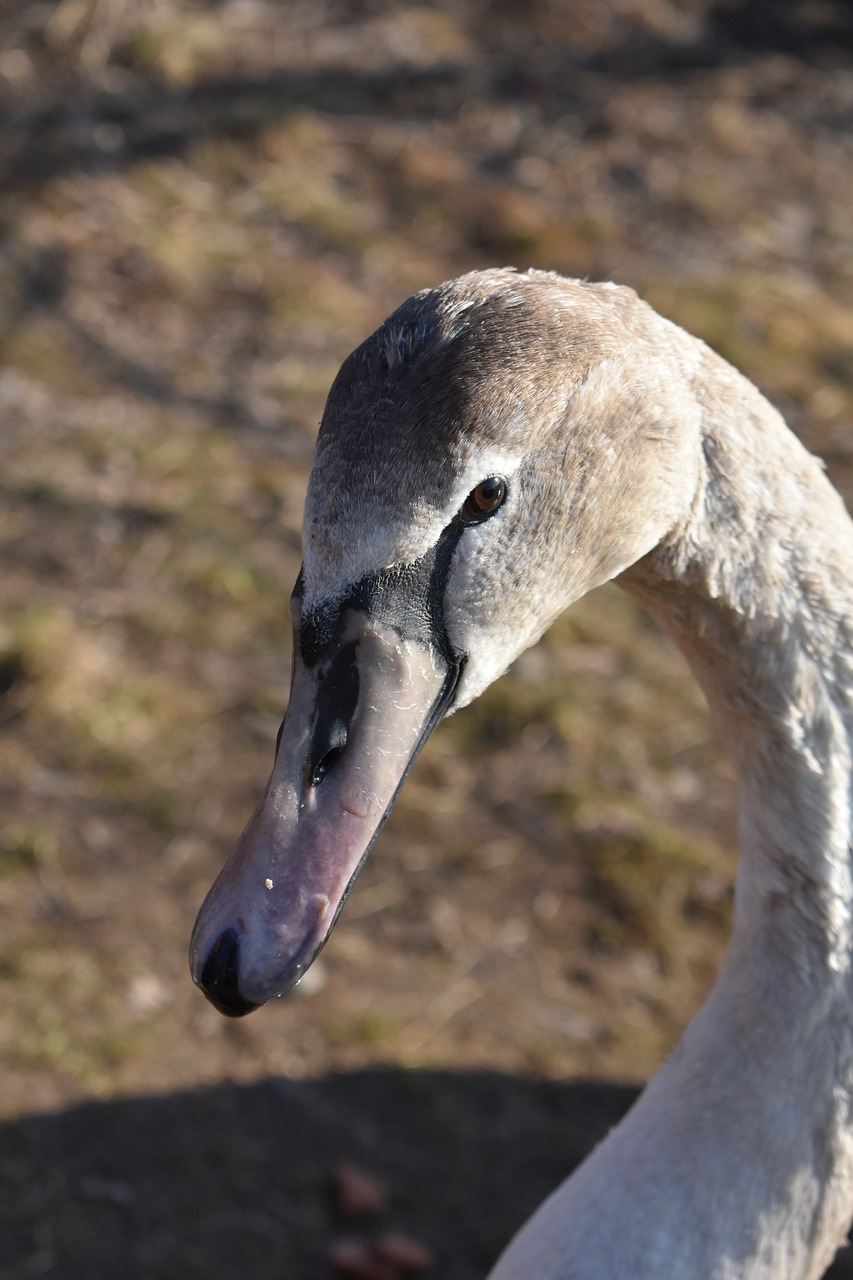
point(501, 445)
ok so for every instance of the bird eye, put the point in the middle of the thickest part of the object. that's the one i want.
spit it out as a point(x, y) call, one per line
point(484, 500)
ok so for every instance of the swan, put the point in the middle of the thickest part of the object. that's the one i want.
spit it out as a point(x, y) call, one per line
point(498, 447)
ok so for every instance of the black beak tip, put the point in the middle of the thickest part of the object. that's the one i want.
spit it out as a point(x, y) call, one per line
point(220, 977)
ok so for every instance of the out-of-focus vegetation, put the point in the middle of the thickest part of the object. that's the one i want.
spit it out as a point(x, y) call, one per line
point(204, 206)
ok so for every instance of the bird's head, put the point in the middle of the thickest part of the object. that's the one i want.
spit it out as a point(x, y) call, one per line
point(501, 445)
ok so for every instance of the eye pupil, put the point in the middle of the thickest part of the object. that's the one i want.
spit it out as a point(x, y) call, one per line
point(482, 501)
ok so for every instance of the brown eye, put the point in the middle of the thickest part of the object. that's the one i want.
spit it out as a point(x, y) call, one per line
point(484, 500)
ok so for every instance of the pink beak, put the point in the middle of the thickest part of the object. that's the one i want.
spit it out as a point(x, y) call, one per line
point(359, 712)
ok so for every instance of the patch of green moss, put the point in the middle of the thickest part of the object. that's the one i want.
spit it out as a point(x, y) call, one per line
point(27, 845)
point(366, 1030)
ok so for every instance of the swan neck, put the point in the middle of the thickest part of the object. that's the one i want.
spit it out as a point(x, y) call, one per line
point(755, 588)
point(737, 1160)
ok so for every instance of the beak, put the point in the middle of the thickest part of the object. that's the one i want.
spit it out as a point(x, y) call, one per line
point(362, 705)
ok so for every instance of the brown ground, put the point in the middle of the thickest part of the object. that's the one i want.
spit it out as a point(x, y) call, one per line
point(204, 206)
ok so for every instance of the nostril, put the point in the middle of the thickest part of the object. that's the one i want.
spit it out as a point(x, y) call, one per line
point(322, 767)
point(337, 703)
point(220, 977)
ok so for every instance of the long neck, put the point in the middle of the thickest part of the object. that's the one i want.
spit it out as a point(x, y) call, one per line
point(738, 1159)
point(757, 591)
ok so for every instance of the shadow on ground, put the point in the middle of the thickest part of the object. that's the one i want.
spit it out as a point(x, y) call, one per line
point(237, 1180)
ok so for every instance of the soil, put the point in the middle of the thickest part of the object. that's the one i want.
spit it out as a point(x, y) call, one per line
point(204, 207)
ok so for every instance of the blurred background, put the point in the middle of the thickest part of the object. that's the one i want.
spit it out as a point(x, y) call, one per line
point(204, 207)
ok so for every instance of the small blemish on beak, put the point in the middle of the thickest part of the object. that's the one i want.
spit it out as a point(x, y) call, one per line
point(320, 904)
point(268, 883)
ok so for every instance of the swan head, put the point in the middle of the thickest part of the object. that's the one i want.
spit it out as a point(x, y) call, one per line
point(498, 447)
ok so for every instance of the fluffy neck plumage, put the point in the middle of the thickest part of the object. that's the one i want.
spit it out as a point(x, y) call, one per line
point(756, 591)
point(737, 1162)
